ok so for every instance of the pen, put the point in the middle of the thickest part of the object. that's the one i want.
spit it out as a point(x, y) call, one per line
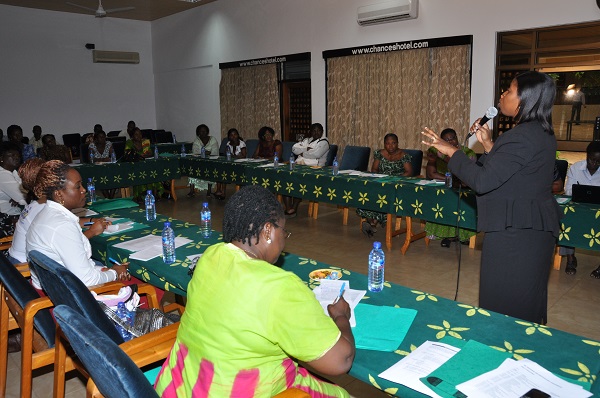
point(112, 260)
point(86, 224)
point(341, 293)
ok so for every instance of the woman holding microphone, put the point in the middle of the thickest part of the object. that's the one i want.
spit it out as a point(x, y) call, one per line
point(515, 206)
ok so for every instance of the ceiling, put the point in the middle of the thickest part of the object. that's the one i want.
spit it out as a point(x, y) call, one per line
point(145, 10)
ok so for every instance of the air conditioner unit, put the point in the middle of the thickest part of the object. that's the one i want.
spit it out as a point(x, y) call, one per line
point(116, 57)
point(389, 11)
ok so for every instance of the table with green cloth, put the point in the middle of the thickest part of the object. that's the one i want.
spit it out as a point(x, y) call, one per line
point(214, 169)
point(580, 225)
point(173, 148)
point(124, 174)
point(567, 355)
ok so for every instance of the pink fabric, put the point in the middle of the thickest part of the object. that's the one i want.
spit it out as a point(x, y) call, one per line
point(176, 373)
point(290, 372)
point(245, 383)
point(205, 378)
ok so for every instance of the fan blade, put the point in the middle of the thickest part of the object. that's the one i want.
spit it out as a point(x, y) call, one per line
point(119, 9)
point(80, 6)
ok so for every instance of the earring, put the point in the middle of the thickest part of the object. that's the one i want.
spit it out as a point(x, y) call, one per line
point(269, 241)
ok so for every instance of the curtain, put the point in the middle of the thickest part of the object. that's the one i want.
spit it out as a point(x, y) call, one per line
point(398, 92)
point(249, 99)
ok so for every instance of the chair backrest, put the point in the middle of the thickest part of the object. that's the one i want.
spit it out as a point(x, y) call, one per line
point(333, 149)
point(562, 166)
point(84, 153)
point(147, 134)
point(113, 133)
point(223, 147)
point(251, 145)
point(114, 373)
point(116, 139)
point(355, 158)
point(416, 160)
point(286, 151)
point(22, 292)
point(63, 287)
point(163, 137)
point(119, 148)
point(72, 141)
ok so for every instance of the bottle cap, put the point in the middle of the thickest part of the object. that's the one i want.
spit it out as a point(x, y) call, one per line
point(205, 204)
point(167, 224)
point(376, 245)
point(149, 192)
point(89, 179)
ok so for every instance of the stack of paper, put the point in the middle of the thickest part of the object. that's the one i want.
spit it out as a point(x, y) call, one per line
point(329, 290)
point(148, 247)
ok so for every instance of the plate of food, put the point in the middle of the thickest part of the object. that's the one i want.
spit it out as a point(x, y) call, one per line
point(324, 273)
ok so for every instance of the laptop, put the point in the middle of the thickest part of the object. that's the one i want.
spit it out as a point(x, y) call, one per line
point(586, 194)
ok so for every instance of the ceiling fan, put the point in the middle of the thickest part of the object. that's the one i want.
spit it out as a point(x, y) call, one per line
point(101, 12)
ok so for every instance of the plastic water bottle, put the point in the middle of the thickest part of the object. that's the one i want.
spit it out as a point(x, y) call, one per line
point(113, 157)
point(275, 160)
point(91, 157)
point(335, 167)
point(448, 179)
point(376, 268)
point(228, 154)
point(202, 153)
point(124, 314)
point(150, 206)
point(182, 150)
point(205, 221)
point(91, 188)
point(174, 139)
point(292, 162)
point(155, 152)
point(168, 243)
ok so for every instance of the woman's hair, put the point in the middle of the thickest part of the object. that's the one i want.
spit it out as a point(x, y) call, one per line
point(201, 126)
point(246, 213)
point(98, 134)
point(447, 131)
point(536, 93)
point(6, 146)
point(12, 130)
point(390, 135)
point(51, 178)
point(133, 132)
point(263, 130)
point(231, 131)
point(28, 172)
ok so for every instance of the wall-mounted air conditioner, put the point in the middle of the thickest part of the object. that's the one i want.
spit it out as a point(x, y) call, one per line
point(116, 57)
point(389, 11)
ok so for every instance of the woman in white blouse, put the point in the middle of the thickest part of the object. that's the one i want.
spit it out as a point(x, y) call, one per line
point(237, 148)
point(56, 231)
point(211, 148)
point(11, 197)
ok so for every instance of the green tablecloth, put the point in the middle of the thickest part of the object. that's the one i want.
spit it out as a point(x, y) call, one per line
point(565, 354)
point(174, 149)
point(219, 169)
point(123, 174)
point(580, 226)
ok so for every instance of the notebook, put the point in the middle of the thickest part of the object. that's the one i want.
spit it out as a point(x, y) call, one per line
point(586, 194)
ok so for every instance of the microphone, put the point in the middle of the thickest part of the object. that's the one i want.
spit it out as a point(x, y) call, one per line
point(489, 115)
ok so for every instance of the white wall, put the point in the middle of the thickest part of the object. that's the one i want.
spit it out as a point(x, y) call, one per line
point(193, 43)
point(47, 76)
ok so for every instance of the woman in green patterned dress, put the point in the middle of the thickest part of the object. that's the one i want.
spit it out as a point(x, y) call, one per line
point(140, 146)
point(390, 160)
point(437, 166)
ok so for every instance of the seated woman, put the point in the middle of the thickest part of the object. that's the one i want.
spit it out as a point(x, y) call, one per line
point(238, 334)
point(267, 146)
point(137, 146)
point(53, 151)
point(11, 196)
point(390, 160)
point(211, 147)
point(14, 134)
point(56, 231)
point(437, 166)
point(237, 148)
point(100, 148)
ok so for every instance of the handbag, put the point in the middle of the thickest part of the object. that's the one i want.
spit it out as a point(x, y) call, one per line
point(146, 320)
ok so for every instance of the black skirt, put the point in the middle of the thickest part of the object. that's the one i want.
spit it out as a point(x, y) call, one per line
point(515, 266)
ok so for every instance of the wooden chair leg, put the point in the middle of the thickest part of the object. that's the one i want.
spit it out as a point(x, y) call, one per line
point(4, 312)
point(237, 188)
point(472, 241)
point(315, 210)
point(389, 231)
point(173, 194)
point(60, 356)
point(410, 236)
point(557, 259)
point(310, 208)
point(345, 216)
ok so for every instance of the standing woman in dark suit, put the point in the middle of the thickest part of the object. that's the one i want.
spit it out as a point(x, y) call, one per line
point(515, 206)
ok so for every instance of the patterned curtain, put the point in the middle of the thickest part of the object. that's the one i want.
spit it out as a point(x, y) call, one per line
point(249, 98)
point(397, 92)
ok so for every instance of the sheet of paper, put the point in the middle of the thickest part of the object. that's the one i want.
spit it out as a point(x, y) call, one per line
point(155, 250)
point(267, 165)
point(329, 290)
point(516, 378)
point(145, 242)
point(425, 359)
point(345, 171)
point(194, 257)
point(119, 228)
point(430, 182)
point(562, 201)
point(83, 212)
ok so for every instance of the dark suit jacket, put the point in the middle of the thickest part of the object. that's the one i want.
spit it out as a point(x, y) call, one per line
point(514, 181)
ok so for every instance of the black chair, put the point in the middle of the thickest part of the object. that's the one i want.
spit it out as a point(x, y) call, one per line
point(147, 134)
point(31, 315)
point(561, 166)
point(163, 137)
point(116, 139)
point(113, 133)
point(111, 369)
point(119, 148)
point(333, 150)
point(72, 141)
point(286, 150)
point(251, 145)
point(223, 147)
point(84, 153)
point(355, 158)
point(416, 161)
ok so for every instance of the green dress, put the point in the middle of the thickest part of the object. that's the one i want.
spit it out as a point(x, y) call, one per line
point(389, 167)
point(440, 231)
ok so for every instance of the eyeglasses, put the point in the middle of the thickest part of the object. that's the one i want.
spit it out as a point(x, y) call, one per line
point(285, 231)
point(452, 138)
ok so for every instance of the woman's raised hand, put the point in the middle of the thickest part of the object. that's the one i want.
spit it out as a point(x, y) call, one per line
point(431, 138)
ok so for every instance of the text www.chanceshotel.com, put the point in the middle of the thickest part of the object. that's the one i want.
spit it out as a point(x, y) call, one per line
point(390, 47)
point(263, 61)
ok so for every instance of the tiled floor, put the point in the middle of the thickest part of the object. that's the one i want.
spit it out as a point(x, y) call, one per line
point(573, 300)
